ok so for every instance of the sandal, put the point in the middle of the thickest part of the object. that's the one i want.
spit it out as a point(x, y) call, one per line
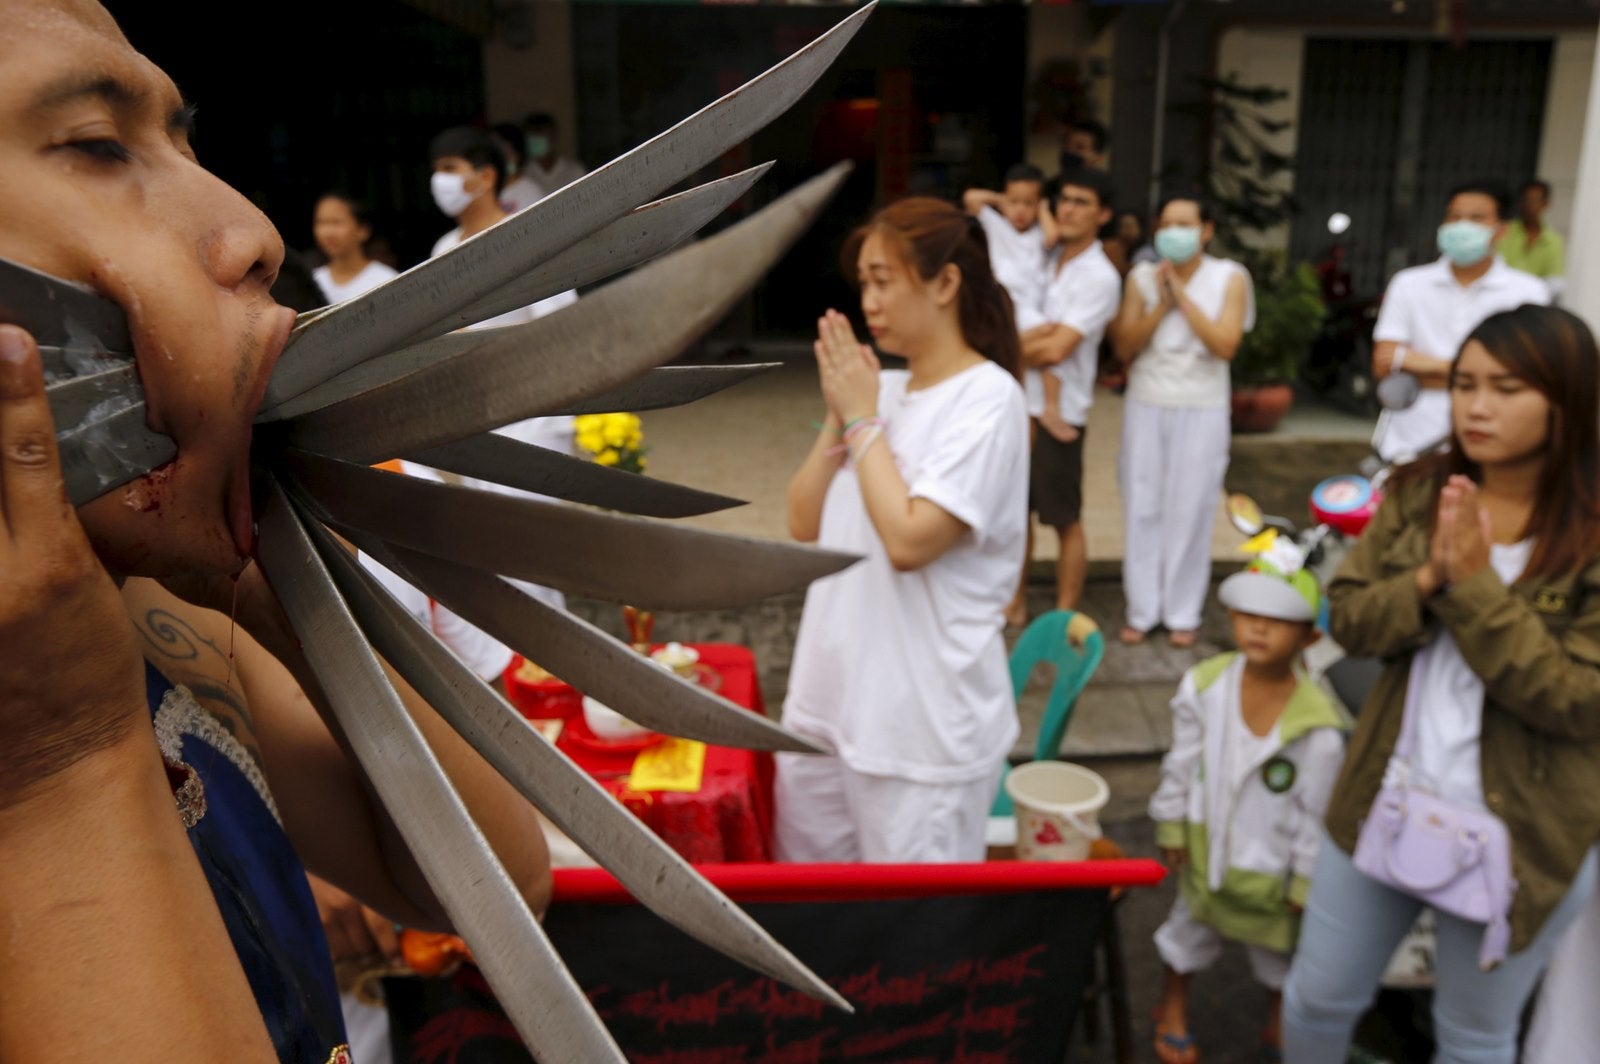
point(1131, 636)
point(1183, 639)
point(1175, 1048)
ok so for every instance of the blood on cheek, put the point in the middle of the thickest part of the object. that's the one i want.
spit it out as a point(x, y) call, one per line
point(146, 494)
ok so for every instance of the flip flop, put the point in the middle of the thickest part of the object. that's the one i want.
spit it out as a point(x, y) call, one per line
point(1175, 1048)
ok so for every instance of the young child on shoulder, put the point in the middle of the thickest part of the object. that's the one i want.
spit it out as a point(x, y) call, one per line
point(1020, 226)
point(1256, 749)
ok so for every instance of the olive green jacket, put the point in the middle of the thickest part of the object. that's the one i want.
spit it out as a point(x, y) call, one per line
point(1535, 646)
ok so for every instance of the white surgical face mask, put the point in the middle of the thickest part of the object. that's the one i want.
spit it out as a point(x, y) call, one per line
point(450, 194)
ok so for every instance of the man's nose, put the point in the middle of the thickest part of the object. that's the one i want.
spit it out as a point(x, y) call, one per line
point(240, 248)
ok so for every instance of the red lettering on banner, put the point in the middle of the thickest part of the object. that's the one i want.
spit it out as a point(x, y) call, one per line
point(660, 1005)
point(785, 1004)
point(999, 1019)
point(1008, 1055)
point(875, 1042)
point(706, 1055)
point(1013, 970)
point(807, 1051)
point(869, 991)
point(959, 972)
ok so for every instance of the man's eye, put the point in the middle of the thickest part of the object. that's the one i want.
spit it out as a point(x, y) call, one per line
point(103, 149)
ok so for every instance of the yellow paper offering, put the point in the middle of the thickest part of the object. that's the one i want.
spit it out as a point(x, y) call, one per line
point(671, 765)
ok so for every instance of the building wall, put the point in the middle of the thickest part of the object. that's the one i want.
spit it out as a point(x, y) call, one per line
point(1273, 56)
point(532, 70)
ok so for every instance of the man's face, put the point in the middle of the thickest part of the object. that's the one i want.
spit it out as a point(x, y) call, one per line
point(1021, 204)
point(1477, 207)
point(1532, 204)
point(476, 182)
point(1079, 213)
point(1080, 142)
point(98, 185)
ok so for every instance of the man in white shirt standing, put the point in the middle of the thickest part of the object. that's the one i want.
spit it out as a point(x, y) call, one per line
point(1083, 291)
point(1428, 311)
point(543, 164)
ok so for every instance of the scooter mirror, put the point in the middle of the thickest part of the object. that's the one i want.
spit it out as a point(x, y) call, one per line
point(1244, 513)
point(1398, 391)
point(1338, 223)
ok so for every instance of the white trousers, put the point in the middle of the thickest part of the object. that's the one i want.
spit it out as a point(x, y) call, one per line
point(1566, 1024)
point(826, 812)
point(1170, 470)
point(367, 1028)
point(1187, 945)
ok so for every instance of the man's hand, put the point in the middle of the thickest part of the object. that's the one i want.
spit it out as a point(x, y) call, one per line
point(1049, 344)
point(71, 679)
point(355, 932)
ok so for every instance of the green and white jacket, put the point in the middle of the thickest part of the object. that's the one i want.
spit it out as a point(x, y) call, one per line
point(1252, 838)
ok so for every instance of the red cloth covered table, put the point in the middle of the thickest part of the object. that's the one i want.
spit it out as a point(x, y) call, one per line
point(729, 819)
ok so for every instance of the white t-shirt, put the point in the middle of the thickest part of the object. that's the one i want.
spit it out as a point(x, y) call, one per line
point(371, 276)
point(1084, 296)
point(1018, 261)
point(1449, 705)
point(562, 172)
point(1426, 308)
point(520, 192)
point(1175, 368)
point(904, 674)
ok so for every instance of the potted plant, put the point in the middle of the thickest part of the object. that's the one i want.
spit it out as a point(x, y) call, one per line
point(1289, 311)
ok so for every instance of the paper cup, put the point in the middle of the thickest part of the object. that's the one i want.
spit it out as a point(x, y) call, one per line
point(1057, 806)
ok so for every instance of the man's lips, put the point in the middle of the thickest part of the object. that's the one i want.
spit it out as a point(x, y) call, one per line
point(241, 513)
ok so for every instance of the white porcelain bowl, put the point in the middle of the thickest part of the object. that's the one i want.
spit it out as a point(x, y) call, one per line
point(607, 723)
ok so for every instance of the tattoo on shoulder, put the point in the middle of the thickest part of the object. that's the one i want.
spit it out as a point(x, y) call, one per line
point(188, 657)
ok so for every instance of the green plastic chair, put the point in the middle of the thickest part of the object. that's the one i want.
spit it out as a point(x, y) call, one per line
point(1073, 644)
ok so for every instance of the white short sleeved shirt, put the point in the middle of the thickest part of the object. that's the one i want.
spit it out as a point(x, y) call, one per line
point(1426, 308)
point(1018, 261)
point(1084, 296)
point(904, 674)
point(371, 276)
point(1175, 368)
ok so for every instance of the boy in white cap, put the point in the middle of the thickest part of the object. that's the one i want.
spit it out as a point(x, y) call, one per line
point(1256, 749)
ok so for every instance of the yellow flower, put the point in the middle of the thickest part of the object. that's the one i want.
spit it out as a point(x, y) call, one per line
point(591, 441)
point(607, 457)
point(615, 433)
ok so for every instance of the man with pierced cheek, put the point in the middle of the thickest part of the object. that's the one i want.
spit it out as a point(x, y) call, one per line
point(164, 770)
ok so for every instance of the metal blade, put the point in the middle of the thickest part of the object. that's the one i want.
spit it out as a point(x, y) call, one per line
point(61, 314)
point(94, 396)
point(428, 296)
point(661, 879)
point(667, 386)
point(636, 237)
point(582, 552)
point(99, 455)
point(605, 339)
point(584, 655)
point(550, 1012)
point(520, 465)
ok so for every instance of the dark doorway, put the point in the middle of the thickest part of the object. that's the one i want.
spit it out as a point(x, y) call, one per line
point(301, 96)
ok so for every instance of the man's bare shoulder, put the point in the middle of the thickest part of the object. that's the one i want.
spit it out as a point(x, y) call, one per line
point(194, 647)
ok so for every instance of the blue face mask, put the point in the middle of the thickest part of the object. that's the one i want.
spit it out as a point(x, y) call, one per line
point(538, 146)
point(1178, 243)
point(1465, 243)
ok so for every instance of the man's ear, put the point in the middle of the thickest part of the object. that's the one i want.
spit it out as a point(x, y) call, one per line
point(1105, 217)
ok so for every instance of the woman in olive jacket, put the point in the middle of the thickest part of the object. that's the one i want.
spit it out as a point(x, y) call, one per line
point(1483, 567)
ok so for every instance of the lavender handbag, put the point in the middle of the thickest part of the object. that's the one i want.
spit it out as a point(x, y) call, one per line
point(1455, 859)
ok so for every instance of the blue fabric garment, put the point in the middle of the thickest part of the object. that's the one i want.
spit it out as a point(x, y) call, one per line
point(261, 891)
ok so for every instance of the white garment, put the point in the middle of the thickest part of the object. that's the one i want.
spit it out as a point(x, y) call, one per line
point(1427, 309)
point(1449, 705)
point(521, 192)
point(904, 673)
point(562, 172)
point(479, 651)
point(366, 1030)
point(1018, 261)
point(1170, 472)
point(823, 811)
point(1187, 945)
point(1566, 1024)
point(1175, 368)
point(371, 276)
point(1083, 295)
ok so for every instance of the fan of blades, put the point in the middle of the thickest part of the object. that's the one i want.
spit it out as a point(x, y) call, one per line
point(386, 374)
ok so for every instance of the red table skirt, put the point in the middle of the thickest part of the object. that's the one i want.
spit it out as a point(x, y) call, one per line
point(729, 819)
